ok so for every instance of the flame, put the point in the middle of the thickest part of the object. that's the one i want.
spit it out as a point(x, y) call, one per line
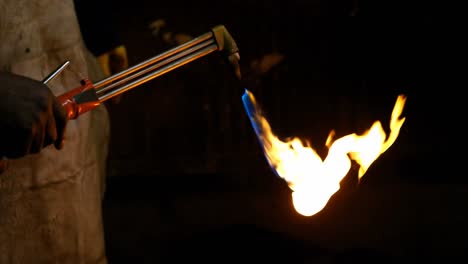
point(313, 180)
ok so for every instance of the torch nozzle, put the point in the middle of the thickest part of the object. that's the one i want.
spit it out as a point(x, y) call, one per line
point(234, 61)
point(228, 47)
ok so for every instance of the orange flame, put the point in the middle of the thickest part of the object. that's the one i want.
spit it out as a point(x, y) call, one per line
point(313, 180)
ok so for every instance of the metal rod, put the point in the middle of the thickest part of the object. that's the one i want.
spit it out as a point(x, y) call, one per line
point(167, 68)
point(153, 60)
point(156, 66)
point(55, 73)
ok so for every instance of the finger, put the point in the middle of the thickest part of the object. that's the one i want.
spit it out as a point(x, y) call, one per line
point(28, 143)
point(51, 131)
point(37, 138)
point(51, 127)
point(61, 121)
point(41, 130)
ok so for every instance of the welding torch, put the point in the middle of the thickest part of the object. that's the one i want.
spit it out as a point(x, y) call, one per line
point(87, 96)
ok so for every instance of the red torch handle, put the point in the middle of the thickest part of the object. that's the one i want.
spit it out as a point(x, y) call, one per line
point(71, 100)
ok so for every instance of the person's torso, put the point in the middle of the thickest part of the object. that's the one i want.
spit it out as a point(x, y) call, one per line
point(50, 202)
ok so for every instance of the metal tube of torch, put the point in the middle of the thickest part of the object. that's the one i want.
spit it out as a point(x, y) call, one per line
point(158, 69)
point(155, 66)
point(217, 39)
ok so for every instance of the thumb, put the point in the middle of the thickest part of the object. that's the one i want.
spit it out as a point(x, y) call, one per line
point(61, 120)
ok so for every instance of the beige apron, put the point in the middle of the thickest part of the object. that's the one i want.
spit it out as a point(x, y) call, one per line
point(50, 203)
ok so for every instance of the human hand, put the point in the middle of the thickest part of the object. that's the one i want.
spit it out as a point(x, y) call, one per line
point(31, 118)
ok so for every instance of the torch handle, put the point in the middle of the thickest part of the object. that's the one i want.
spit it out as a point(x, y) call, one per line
point(79, 100)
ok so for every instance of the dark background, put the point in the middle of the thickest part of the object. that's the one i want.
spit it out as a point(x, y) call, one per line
point(187, 178)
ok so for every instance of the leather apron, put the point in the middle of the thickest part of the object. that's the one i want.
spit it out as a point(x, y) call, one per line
point(50, 202)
